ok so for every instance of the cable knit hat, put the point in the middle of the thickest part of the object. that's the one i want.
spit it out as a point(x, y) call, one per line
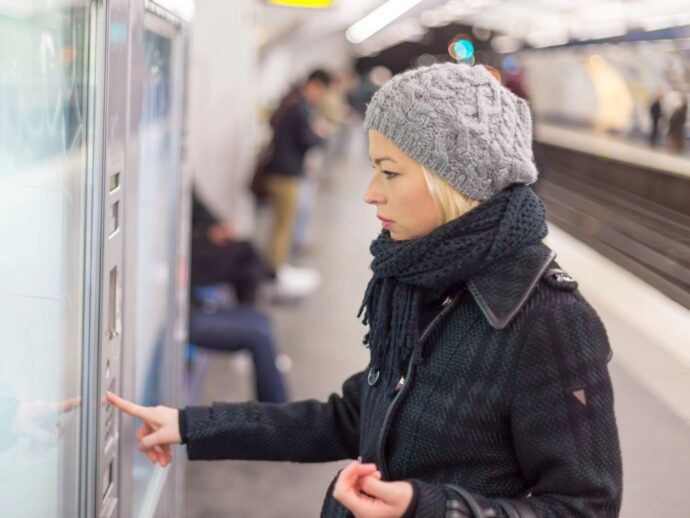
point(459, 122)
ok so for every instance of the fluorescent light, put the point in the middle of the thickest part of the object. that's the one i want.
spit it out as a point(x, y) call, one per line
point(378, 19)
point(308, 4)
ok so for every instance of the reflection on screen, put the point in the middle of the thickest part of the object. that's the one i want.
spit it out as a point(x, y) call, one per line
point(42, 180)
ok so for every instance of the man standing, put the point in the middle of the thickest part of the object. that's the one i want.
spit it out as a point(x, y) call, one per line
point(293, 135)
point(655, 114)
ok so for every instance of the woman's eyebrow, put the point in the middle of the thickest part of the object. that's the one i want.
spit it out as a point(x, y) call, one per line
point(381, 159)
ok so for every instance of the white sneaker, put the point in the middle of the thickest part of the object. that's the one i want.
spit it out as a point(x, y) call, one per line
point(293, 282)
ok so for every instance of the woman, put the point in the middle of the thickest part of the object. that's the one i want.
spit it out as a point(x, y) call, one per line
point(488, 392)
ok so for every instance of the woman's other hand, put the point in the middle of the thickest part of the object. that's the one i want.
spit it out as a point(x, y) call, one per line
point(359, 488)
point(160, 428)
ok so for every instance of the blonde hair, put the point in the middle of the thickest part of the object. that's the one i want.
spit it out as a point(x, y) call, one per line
point(451, 203)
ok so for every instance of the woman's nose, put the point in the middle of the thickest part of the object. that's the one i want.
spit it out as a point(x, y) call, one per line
point(373, 194)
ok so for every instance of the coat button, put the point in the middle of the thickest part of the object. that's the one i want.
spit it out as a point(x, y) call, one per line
point(373, 376)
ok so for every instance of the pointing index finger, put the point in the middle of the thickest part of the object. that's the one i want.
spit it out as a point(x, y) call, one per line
point(127, 406)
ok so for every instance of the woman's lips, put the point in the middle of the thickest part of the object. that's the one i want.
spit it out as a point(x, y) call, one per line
point(386, 223)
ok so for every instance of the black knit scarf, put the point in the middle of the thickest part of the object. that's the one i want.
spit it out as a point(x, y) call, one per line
point(406, 273)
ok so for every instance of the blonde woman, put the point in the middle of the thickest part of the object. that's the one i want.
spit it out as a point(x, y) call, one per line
point(487, 393)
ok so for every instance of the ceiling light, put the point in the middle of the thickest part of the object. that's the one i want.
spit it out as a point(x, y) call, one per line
point(378, 19)
point(308, 4)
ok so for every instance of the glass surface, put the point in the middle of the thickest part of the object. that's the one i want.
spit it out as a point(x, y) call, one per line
point(43, 169)
point(156, 188)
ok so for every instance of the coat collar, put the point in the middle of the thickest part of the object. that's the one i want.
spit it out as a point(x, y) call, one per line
point(502, 288)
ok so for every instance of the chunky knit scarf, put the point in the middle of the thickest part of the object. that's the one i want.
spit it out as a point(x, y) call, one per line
point(407, 273)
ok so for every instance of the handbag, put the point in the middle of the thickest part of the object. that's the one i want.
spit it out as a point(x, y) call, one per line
point(259, 183)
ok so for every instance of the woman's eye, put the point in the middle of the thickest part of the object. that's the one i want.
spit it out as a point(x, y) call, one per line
point(389, 174)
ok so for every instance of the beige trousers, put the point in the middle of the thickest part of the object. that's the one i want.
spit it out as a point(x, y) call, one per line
point(283, 193)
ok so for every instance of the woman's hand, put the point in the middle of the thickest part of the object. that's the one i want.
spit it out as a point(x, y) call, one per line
point(359, 488)
point(159, 430)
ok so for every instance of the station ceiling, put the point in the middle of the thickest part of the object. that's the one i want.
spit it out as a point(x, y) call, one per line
point(537, 22)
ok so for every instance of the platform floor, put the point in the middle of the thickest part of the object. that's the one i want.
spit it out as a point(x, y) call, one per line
point(322, 336)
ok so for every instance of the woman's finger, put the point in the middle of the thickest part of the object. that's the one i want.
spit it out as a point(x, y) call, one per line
point(152, 455)
point(347, 490)
point(143, 431)
point(168, 458)
point(347, 480)
point(152, 439)
point(389, 492)
point(128, 407)
point(362, 506)
point(357, 469)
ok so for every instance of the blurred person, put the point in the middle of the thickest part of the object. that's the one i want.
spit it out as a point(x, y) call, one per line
point(676, 125)
point(335, 114)
point(656, 114)
point(338, 113)
point(293, 135)
point(240, 328)
point(368, 83)
point(487, 392)
point(220, 257)
point(361, 94)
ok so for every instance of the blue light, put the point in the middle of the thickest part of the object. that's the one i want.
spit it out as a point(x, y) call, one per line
point(464, 50)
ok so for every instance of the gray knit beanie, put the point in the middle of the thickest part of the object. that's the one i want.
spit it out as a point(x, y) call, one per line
point(460, 123)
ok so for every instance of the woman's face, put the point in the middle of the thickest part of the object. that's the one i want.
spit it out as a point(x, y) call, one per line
point(399, 191)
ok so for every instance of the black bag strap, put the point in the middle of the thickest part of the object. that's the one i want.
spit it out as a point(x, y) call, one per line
point(469, 500)
point(507, 508)
point(516, 508)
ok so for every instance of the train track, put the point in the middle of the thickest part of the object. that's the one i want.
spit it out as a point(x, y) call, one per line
point(637, 217)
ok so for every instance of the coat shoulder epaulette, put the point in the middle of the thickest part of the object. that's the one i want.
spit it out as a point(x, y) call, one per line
point(559, 279)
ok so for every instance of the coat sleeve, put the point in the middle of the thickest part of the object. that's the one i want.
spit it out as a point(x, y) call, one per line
point(562, 420)
point(304, 431)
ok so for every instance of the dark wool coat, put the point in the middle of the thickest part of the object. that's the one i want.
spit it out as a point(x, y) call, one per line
point(511, 400)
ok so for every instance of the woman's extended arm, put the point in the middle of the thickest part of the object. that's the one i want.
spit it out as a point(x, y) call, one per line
point(304, 431)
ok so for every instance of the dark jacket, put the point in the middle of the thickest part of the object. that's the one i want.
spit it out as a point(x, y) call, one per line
point(202, 220)
point(512, 400)
point(292, 136)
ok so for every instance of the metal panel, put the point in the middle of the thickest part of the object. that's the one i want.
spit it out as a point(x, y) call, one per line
point(93, 260)
point(114, 184)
